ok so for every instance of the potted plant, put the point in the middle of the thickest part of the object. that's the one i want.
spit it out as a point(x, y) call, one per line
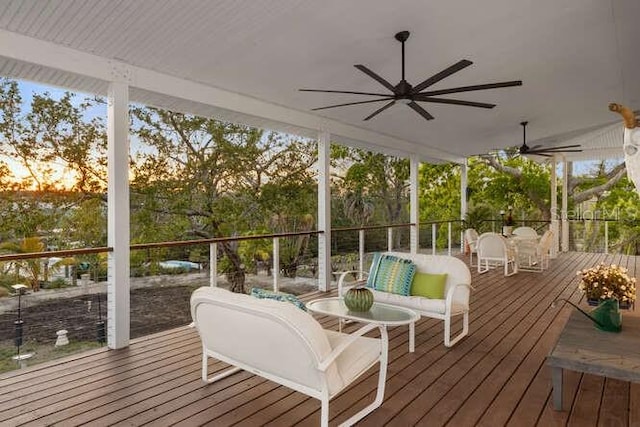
point(608, 282)
point(508, 222)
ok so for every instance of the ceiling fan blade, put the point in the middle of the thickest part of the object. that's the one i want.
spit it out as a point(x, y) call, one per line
point(376, 77)
point(552, 151)
point(454, 102)
point(352, 103)
point(537, 154)
point(562, 147)
point(418, 109)
point(472, 88)
point(379, 110)
point(442, 74)
point(344, 91)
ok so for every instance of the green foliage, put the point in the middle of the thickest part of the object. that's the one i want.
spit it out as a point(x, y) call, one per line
point(205, 178)
point(369, 187)
point(58, 284)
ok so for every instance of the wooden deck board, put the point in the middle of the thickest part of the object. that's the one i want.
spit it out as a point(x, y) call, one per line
point(495, 376)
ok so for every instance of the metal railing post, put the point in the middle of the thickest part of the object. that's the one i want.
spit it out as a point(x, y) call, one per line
point(360, 253)
point(449, 238)
point(433, 238)
point(276, 263)
point(389, 239)
point(606, 237)
point(213, 264)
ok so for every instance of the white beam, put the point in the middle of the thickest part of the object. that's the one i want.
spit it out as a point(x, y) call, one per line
point(39, 52)
point(324, 212)
point(414, 204)
point(118, 215)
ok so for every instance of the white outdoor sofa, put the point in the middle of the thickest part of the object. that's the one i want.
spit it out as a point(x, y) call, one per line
point(285, 344)
point(457, 290)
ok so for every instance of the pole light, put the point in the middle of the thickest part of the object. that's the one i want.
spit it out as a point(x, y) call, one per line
point(20, 290)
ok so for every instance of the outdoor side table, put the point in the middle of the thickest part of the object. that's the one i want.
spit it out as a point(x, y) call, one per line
point(583, 348)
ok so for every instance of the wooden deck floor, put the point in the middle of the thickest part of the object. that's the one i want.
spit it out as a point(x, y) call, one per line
point(496, 376)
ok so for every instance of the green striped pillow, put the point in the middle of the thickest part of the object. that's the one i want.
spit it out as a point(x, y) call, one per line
point(393, 275)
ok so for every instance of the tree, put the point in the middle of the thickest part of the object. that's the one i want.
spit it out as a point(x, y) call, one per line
point(212, 177)
point(33, 267)
point(54, 136)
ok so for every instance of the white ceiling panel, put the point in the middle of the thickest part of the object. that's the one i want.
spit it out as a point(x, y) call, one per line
point(573, 56)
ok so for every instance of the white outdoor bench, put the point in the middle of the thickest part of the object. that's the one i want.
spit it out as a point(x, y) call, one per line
point(457, 290)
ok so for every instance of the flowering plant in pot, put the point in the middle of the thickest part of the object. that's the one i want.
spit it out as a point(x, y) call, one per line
point(608, 282)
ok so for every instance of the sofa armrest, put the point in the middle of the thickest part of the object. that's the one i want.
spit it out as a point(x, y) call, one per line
point(331, 357)
point(448, 302)
point(344, 275)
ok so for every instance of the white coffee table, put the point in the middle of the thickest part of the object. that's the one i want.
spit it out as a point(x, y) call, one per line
point(379, 314)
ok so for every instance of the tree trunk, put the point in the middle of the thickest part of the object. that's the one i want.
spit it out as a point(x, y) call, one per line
point(235, 275)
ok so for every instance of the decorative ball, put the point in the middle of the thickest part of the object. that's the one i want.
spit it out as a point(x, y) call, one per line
point(358, 299)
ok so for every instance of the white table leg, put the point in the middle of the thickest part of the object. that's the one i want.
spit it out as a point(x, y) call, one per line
point(412, 337)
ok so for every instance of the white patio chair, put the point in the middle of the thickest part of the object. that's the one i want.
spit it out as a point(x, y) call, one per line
point(525, 232)
point(471, 237)
point(534, 256)
point(495, 250)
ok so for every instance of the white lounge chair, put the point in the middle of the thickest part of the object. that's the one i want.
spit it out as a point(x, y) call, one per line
point(285, 344)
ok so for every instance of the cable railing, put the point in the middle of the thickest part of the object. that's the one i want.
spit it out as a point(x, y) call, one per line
point(280, 261)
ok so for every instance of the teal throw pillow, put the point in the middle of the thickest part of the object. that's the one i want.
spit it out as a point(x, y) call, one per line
point(373, 270)
point(394, 275)
point(278, 296)
point(429, 285)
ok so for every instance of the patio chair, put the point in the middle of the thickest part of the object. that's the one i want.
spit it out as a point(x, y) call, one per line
point(534, 256)
point(525, 232)
point(284, 344)
point(471, 237)
point(495, 250)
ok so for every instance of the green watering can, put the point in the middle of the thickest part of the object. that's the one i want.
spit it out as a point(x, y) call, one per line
point(606, 316)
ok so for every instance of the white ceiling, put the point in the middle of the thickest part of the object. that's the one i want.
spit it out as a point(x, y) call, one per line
point(573, 56)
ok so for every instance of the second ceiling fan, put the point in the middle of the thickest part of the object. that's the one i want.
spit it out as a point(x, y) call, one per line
point(539, 150)
point(405, 93)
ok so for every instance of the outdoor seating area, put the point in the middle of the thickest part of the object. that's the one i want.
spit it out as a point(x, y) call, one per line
point(523, 250)
point(497, 375)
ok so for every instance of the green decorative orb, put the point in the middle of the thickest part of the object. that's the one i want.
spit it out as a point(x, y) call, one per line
point(358, 299)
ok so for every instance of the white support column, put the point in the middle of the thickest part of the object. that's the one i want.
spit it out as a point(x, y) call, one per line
point(565, 204)
point(324, 212)
point(555, 224)
point(389, 239)
point(414, 205)
point(464, 182)
point(213, 264)
point(118, 299)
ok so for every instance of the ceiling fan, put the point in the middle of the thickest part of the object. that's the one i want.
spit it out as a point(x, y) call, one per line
point(405, 93)
point(539, 150)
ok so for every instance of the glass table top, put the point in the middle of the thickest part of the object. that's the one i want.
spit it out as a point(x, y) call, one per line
point(379, 313)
